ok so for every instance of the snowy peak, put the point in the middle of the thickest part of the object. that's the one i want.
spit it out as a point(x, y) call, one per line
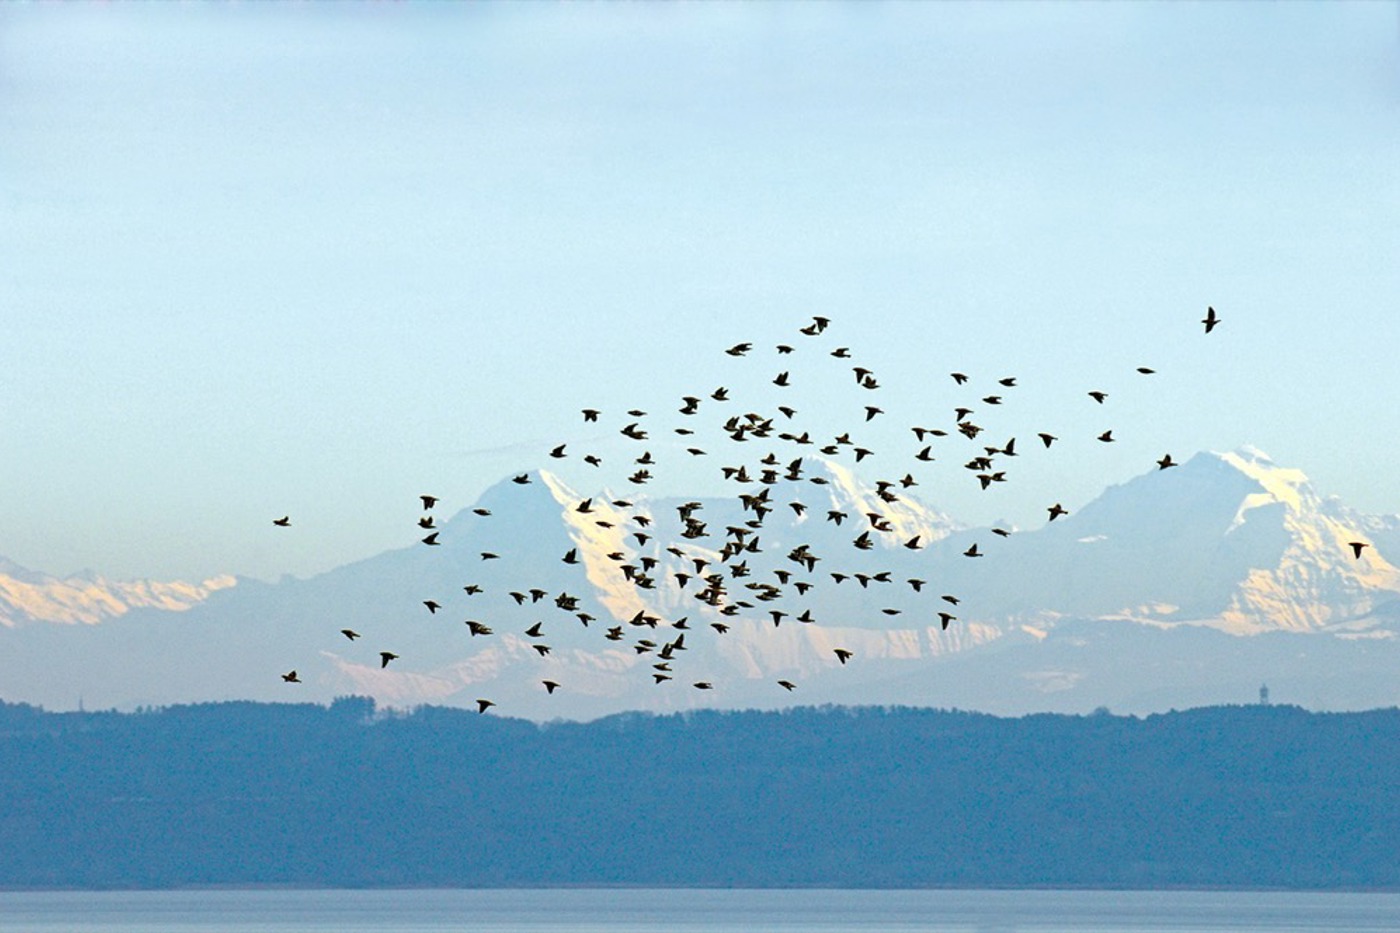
point(86, 599)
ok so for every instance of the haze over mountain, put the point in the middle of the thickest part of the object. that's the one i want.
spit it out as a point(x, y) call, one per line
point(1180, 586)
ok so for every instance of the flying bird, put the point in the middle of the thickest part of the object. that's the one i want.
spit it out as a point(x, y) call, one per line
point(1356, 547)
point(1165, 462)
point(1210, 320)
point(483, 705)
point(428, 502)
point(350, 633)
point(291, 677)
point(283, 522)
point(385, 657)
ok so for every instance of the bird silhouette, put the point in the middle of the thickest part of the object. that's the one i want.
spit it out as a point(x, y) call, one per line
point(283, 522)
point(1356, 547)
point(428, 502)
point(291, 677)
point(385, 657)
point(350, 633)
point(483, 705)
point(1210, 320)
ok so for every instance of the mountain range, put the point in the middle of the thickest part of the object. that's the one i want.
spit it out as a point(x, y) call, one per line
point(1180, 587)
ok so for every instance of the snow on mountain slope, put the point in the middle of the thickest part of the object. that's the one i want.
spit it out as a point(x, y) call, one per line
point(86, 599)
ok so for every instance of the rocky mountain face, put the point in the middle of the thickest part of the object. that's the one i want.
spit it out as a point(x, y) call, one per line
point(1191, 584)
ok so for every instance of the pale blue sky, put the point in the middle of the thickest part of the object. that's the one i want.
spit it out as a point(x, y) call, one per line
point(317, 259)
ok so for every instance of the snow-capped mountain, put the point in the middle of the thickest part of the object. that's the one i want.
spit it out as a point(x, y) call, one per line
point(86, 598)
point(593, 591)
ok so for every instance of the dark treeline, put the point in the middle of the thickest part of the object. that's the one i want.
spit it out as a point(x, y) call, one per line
point(244, 793)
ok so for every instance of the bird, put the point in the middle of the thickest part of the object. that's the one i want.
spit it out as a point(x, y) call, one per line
point(972, 551)
point(1106, 437)
point(558, 452)
point(843, 655)
point(483, 705)
point(350, 633)
point(1210, 320)
point(385, 657)
point(571, 556)
point(1145, 370)
point(591, 414)
point(959, 378)
point(283, 522)
point(291, 677)
point(550, 686)
point(1165, 462)
point(944, 618)
point(704, 685)
point(521, 479)
point(1056, 511)
point(1098, 396)
point(1356, 547)
point(428, 502)
point(433, 606)
point(431, 539)
point(787, 685)
point(1048, 438)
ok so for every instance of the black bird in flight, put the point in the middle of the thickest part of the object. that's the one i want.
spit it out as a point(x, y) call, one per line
point(483, 705)
point(428, 502)
point(591, 414)
point(283, 522)
point(558, 452)
point(350, 633)
point(1210, 320)
point(843, 655)
point(959, 378)
point(291, 677)
point(385, 657)
point(433, 606)
point(550, 686)
point(431, 540)
point(1165, 462)
point(1056, 511)
point(1356, 547)
point(1098, 396)
point(787, 685)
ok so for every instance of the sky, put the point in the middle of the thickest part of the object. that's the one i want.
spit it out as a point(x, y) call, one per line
point(319, 259)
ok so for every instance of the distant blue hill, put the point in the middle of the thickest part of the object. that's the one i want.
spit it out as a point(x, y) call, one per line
point(258, 794)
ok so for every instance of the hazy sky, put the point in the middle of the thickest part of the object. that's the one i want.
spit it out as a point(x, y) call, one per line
point(318, 259)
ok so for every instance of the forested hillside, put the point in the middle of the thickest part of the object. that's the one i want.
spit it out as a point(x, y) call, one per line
point(243, 793)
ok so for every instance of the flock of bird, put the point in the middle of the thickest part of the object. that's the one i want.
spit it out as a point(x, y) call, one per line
point(727, 573)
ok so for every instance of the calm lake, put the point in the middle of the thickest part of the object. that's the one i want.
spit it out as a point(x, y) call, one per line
point(692, 911)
